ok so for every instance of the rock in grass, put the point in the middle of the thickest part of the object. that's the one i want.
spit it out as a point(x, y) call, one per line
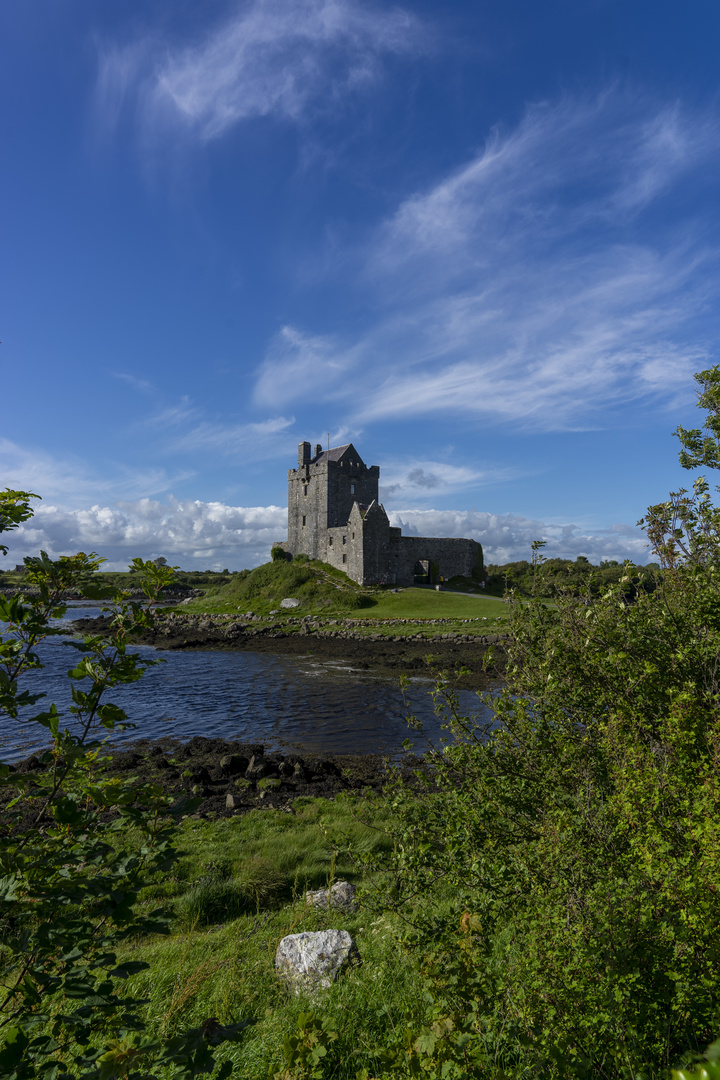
point(289, 602)
point(310, 962)
point(341, 895)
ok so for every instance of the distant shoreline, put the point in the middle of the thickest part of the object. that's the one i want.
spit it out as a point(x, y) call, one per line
point(333, 639)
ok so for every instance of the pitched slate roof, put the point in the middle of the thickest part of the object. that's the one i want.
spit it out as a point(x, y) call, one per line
point(335, 453)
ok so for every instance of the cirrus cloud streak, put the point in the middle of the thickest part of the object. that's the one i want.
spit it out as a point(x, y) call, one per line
point(542, 284)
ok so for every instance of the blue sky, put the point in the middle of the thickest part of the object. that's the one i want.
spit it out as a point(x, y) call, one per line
point(480, 240)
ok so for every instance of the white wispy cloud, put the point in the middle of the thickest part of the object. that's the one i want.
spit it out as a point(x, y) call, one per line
point(268, 58)
point(540, 284)
point(427, 479)
point(213, 535)
point(297, 360)
point(253, 440)
point(70, 480)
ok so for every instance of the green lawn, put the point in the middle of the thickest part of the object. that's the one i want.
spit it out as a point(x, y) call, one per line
point(428, 604)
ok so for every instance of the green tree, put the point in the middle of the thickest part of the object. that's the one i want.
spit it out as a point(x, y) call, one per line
point(76, 846)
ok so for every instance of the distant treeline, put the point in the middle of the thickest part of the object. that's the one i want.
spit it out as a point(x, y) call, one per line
point(554, 576)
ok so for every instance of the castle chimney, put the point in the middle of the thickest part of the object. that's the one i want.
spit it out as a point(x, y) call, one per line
point(318, 449)
point(303, 453)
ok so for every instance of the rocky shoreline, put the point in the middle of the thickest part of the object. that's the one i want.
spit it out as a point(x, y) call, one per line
point(230, 777)
point(358, 642)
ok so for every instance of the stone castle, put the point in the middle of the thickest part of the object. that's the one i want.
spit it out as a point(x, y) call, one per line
point(334, 515)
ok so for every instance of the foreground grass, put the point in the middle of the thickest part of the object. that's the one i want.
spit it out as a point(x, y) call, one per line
point(220, 965)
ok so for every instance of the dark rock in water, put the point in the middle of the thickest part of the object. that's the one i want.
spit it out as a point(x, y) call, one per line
point(156, 751)
point(233, 764)
point(256, 749)
point(201, 775)
point(299, 772)
point(322, 767)
point(197, 744)
point(257, 768)
point(286, 769)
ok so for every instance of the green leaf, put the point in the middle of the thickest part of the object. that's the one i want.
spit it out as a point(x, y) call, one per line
point(16, 1043)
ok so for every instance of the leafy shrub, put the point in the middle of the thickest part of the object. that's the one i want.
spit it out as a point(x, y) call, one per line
point(78, 846)
point(571, 846)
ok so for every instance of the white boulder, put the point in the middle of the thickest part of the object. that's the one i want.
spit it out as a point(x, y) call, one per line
point(289, 601)
point(341, 895)
point(310, 962)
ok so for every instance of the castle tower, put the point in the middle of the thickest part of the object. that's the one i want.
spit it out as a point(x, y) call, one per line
point(321, 493)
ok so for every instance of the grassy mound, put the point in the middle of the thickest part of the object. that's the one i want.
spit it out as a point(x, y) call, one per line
point(317, 586)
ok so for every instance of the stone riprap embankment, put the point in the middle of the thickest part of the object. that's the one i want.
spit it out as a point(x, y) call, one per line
point(390, 646)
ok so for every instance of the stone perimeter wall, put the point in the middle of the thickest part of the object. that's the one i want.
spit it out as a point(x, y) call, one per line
point(453, 557)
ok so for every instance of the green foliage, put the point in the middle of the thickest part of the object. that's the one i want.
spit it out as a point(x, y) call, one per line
point(14, 509)
point(705, 1067)
point(549, 578)
point(306, 1048)
point(77, 846)
point(702, 447)
point(570, 848)
point(278, 554)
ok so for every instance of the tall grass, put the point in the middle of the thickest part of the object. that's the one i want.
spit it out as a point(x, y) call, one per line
point(238, 890)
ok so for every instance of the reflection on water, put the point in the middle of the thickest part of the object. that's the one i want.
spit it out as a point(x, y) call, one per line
point(294, 703)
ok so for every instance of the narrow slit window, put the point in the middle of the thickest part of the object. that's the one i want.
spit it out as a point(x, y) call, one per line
point(305, 487)
point(344, 558)
point(344, 539)
point(303, 519)
point(352, 489)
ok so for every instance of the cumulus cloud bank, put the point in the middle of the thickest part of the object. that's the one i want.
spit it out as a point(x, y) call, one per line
point(212, 535)
point(189, 533)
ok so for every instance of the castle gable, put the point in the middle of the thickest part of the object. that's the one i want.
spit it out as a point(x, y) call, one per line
point(343, 454)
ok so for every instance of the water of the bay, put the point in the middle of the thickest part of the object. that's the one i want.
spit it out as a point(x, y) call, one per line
point(290, 703)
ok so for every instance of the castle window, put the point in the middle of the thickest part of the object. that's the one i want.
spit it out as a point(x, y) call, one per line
point(305, 487)
point(303, 519)
point(330, 539)
point(344, 558)
point(353, 536)
point(344, 539)
point(352, 489)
